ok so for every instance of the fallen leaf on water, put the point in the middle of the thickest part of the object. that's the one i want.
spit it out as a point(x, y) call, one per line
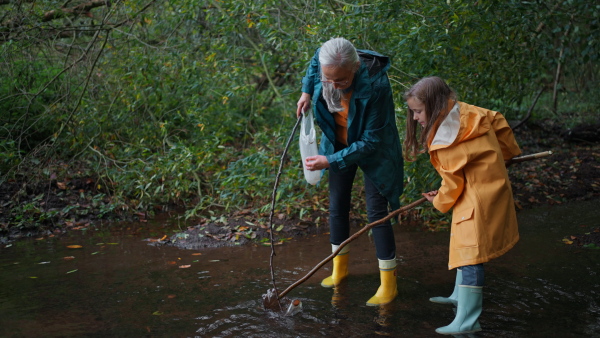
point(95, 253)
point(68, 258)
point(44, 263)
point(32, 277)
point(214, 260)
point(184, 266)
point(171, 296)
point(196, 254)
point(112, 243)
point(74, 246)
point(567, 241)
point(172, 263)
point(39, 239)
point(68, 272)
point(157, 313)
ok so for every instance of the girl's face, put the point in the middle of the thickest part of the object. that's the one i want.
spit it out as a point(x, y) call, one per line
point(418, 109)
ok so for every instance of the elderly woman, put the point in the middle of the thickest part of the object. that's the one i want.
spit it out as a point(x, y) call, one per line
point(355, 110)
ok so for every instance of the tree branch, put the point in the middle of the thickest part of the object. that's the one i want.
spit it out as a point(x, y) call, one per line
point(77, 10)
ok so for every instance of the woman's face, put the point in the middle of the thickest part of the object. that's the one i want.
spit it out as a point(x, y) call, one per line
point(418, 109)
point(339, 77)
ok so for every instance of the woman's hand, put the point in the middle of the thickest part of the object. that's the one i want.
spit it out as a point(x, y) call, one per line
point(317, 162)
point(303, 104)
point(430, 195)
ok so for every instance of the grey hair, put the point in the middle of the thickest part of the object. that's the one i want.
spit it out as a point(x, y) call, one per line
point(338, 52)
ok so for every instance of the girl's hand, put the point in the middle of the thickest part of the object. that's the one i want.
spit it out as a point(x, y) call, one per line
point(430, 195)
point(317, 162)
point(303, 104)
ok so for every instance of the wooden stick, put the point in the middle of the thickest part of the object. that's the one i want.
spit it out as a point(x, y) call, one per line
point(273, 198)
point(392, 214)
point(529, 157)
point(350, 239)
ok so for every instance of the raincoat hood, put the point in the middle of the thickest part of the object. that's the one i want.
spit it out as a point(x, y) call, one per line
point(460, 127)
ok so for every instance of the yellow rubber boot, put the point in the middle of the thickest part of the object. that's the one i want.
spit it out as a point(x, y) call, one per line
point(340, 269)
point(388, 289)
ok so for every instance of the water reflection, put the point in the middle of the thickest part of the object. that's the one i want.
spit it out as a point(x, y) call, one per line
point(118, 285)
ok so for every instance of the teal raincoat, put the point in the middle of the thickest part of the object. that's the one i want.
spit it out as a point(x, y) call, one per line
point(373, 141)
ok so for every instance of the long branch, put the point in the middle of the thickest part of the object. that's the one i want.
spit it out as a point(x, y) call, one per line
point(273, 198)
point(79, 9)
point(350, 239)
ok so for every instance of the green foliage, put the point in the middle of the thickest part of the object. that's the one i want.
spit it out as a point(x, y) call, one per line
point(190, 102)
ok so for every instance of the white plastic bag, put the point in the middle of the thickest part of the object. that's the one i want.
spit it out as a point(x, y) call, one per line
point(308, 146)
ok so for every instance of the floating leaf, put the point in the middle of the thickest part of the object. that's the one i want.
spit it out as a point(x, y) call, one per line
point(68, 258)
point(566, 241)
point(171, 296)
point(74, 246)
point(157, 313)
point(32, 277)
point(184, 266)
point(44, 262)
point(196, 254)
point(72, 271)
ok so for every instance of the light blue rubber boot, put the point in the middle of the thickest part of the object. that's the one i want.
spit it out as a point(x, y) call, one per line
point(467, 313)
point(454, 296)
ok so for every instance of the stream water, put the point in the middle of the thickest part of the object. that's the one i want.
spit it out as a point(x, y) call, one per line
point(117, 284)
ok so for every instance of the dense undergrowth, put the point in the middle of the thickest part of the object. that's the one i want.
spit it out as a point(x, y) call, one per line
point(141, 107)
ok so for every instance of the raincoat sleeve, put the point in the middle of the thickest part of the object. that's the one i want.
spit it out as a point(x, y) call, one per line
point(505, 136)
point(376, 119)
point(308, 81)
point(450, 165)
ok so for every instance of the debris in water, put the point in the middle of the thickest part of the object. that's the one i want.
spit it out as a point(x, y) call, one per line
point(295, 307)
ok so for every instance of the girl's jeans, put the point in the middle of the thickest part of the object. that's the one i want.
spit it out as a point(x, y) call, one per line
point(340, 192)
point(472, 275)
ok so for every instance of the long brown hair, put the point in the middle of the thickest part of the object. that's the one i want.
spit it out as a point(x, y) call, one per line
point(435, 94)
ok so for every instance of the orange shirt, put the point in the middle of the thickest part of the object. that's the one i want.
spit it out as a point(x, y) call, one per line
point(341, 120)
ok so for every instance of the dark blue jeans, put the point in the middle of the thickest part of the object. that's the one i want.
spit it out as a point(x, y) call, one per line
point(472, 275)
point(340, 193)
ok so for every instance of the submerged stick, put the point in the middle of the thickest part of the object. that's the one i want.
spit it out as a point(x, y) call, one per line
point(274, 196)
point(350, 239)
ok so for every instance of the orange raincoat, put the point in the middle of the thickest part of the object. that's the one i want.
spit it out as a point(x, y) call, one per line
point(468, 151)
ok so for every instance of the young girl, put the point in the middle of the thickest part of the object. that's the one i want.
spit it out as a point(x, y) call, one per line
point(468, 146)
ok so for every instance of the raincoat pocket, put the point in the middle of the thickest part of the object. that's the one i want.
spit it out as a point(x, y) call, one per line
point(308, 146)
point(464, 230)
